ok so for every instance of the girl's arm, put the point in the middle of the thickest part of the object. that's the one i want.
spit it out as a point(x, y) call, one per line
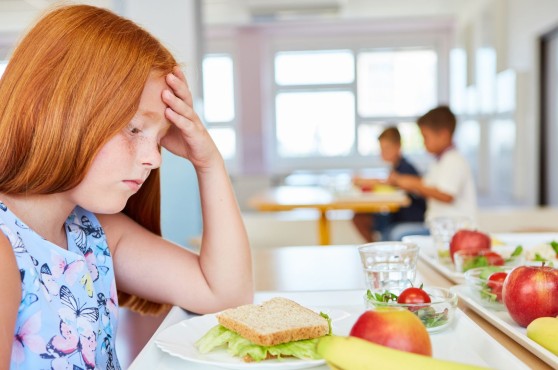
point(153, 268)
point(10, 286)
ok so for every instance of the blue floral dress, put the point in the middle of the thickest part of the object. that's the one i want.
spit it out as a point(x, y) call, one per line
point(68, 314)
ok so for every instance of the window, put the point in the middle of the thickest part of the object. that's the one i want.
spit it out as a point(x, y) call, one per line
point(502, 150)
point(468, 139)
point(219, 103)
point(334, 103)
point(411, 139)
point(396, 82)
point(306, 127)
point(314, 67)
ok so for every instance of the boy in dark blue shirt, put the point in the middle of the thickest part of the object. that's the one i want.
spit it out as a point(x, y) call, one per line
point(368, 224)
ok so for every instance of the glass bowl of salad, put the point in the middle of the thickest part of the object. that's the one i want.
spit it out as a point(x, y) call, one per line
point(465, 260)
point(434, 306)
point(486, 283)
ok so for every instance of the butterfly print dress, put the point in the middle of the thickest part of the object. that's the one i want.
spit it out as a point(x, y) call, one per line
point(68, 314)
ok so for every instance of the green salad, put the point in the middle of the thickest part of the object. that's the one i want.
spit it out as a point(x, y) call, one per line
point(219, 336)
point(489, 292)
point(427, 314)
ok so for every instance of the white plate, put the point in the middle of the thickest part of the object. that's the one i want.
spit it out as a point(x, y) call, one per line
point(178, 340)
point(503, 321)
point(453, 344)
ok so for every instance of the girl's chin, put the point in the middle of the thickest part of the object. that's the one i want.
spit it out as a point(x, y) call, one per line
point(105, 208)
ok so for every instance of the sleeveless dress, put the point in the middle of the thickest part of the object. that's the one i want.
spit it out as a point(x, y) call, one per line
point(68, 314)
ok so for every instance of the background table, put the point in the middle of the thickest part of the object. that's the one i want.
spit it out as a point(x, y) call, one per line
point(286, 198)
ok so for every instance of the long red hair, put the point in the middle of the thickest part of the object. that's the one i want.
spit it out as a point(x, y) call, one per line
point(73, 82)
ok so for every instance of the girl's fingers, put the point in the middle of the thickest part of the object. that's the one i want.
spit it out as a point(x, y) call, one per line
point(178, 73)
point(178, 105)
point(177, 81)
point(179, 120)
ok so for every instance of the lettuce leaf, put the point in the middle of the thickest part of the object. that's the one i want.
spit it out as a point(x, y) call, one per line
point(219, 336)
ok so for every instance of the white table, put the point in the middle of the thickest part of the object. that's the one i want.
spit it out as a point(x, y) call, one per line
point(474, 344)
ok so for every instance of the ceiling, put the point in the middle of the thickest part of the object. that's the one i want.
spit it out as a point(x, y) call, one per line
point(250, 11)
point(16, 14)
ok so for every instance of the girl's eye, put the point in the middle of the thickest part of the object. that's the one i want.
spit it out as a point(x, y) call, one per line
point(133, 129)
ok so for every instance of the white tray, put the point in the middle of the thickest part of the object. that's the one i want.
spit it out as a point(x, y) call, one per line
point(503, 321)
point(454, 344)
point(446, 270)
point(527, 240)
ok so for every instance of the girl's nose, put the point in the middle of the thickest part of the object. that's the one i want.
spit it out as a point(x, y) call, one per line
point(151, 155)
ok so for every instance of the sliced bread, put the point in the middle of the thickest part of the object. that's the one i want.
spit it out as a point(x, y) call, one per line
point(273, 322)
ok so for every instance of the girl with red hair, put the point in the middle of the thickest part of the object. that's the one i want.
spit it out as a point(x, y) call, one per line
point(86, 103)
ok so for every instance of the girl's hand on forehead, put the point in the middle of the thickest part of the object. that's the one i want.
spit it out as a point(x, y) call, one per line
point(187, 136)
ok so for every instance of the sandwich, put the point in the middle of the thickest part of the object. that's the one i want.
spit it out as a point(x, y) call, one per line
point(274, 329)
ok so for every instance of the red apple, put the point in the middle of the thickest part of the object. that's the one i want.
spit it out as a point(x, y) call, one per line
point(531, 292)
point(393, 327)
point(469, 240)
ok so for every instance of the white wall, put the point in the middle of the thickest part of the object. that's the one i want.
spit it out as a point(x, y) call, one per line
point(177, 24)
point(527, 21)
point(517, 26)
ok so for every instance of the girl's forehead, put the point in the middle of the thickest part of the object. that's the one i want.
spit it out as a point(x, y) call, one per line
point(151, 106)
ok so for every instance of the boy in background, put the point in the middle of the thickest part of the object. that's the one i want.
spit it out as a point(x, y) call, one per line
point(368, 224)
point(448, 186)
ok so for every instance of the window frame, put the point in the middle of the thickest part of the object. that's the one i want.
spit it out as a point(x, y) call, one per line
point(223, 47)
point(436, 41)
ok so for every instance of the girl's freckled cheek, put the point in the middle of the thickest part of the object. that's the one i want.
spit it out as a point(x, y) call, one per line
point(141, 142)
point(130, 144)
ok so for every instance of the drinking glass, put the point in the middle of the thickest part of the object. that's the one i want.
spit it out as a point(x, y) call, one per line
point(442, 230)
point(389, 265)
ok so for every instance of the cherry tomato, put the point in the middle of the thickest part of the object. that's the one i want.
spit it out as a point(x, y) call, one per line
point(493, 258)
point(496, 282)
point(413, 295)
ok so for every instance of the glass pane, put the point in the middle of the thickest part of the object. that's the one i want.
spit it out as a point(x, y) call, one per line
point(315, 123)
point(411, 138)
point(396, 83)
point(502, 153)
point(368, 133)
point(458, 80)
point(505, 91)
point(225, 139)
point(314, 67)
point(486, 78)
point(218, 88)
point(471, 98)
point(467, 138)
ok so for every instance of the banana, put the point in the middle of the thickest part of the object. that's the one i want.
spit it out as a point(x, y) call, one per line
point(352, 353)
point(544, 331)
